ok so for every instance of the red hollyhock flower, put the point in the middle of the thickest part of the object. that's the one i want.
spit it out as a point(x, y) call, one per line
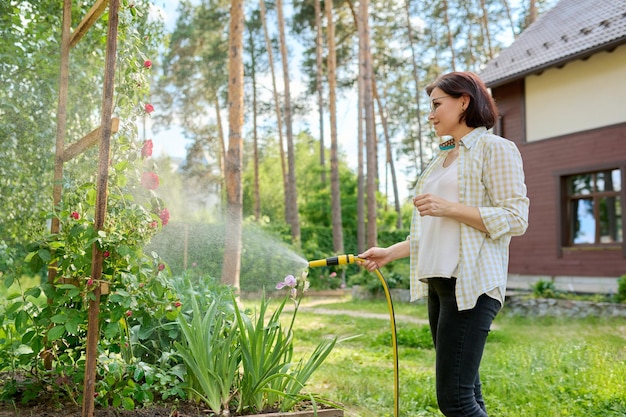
point(149, 108)
point(165, 216)
point(147, 64)
point(75, 215)
point(150, 180)
point(146, 149)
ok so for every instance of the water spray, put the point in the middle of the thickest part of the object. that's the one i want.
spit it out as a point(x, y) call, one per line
point(351, 259)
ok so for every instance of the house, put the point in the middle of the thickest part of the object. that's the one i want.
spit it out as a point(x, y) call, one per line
point(561, 92)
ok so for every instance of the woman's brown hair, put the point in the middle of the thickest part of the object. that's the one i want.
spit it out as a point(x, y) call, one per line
point(482, 110)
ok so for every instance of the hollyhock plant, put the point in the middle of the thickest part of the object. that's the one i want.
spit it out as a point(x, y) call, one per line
point(149, 108)
point(146, 149)
point(150, 180)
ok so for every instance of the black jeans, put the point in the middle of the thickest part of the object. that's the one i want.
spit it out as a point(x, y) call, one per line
point(459, 338)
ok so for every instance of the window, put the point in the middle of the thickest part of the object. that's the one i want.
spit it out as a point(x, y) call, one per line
point(594, 208)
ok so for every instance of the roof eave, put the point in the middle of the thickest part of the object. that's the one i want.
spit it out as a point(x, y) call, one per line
point(555, 63)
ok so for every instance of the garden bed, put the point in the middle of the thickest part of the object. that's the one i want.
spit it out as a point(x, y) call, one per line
point(174, 410)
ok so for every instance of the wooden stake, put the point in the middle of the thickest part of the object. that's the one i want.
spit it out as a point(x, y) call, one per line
point(93, 326)
point(94, 13)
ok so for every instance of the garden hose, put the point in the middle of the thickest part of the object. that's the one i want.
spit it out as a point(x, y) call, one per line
point(350, 259)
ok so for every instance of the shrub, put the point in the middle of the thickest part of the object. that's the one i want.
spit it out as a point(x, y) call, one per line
point(621, 289)
point(544, 289)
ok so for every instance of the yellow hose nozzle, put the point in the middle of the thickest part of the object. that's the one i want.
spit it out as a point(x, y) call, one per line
point(334, 260)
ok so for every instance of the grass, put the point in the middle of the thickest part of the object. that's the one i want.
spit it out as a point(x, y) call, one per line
point(532, 367)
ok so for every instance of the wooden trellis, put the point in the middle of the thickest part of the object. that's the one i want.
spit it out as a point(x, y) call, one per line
point(102, 135)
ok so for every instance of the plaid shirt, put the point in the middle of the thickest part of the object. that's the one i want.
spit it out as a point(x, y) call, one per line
point(491, 178)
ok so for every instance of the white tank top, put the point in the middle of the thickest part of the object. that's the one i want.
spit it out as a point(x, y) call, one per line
point(440, 237)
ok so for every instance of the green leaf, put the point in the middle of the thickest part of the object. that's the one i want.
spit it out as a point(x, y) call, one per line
point(33, 292)
point(44, 254)
point(56, 332)
point(59, 318)
point(128, 403)
point(21, 321)
point(8, 280)
point(91, 197)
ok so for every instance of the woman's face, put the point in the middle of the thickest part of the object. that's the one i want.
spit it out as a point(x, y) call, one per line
point(445, 113)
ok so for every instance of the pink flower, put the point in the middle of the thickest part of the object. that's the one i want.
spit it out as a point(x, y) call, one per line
point(333, 274)
point(290, 281)
point(147, 64)
point(106, 254)
point(129, 313)
point(164, 215)
point(149, 108)
point(146, 149)
point(90, 282)
point(154, 223)
point(75, 215)
point(150, 180)
point(178, 304)
point(161, 267)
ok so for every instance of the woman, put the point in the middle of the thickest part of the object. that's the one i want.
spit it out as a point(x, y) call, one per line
point(470, 200)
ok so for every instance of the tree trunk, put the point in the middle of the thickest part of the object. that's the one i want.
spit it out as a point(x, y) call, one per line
point(234, 160)
point(334, 163)
point(509, 16)
point(449, 35)
point(360, 208)
point(485, 23)
point(368, 108)
point(220, 132)
point(255, 136)
point(392, 169)
point(319, 86)
point(293, 219)
point(279, 116)
point(532, 12)
point(416, 78)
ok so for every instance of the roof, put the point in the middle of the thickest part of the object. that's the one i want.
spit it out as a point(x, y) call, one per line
point(573, 29)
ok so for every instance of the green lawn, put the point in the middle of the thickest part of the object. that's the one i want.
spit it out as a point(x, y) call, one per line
point(533, 367)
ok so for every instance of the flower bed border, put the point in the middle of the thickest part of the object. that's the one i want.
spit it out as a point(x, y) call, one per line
point(320, 413)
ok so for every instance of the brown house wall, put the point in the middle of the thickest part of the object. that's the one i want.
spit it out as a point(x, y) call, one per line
point(539, 251)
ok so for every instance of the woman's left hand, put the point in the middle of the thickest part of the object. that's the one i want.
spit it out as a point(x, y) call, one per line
point(431, 205)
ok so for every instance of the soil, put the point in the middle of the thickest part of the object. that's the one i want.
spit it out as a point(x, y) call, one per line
point(46, 410)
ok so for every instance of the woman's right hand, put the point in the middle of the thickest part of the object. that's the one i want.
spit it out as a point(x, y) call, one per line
point(374, 258)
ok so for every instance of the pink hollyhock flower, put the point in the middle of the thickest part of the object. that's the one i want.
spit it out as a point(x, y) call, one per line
point(147, 64)
point(75, 215)
point(165, 216)
point(149, 108)
point(146, 149)
point(150, 180)
point(161, 267)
